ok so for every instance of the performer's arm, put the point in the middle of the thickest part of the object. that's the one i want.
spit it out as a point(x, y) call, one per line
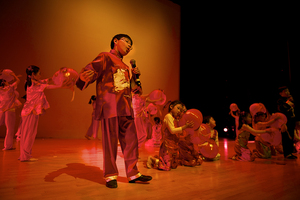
point(133, 84)
point(268, 123)
point(253, 131)
point(91, 72)
point(176, 130)
point(17, 80)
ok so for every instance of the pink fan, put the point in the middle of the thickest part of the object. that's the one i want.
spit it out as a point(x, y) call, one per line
point(151, 108)
point(156, 95)
point(5, 74)
point(66, 77)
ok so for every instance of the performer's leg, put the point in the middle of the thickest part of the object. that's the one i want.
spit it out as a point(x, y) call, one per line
point(10, 119)
point(129, 143)
point(110, 130)
point(29, 130)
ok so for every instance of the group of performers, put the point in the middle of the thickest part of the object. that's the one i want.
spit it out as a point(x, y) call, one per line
point(276, 133)
point(129, 118)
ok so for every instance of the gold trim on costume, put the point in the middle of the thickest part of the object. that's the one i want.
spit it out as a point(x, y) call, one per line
point(110, 178)
point(135, 176)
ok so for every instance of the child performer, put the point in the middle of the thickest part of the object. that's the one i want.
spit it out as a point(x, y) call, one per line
point(115, 83)
point(168, 153)
point(8, 103)
point(35, 105)
point(210, 121)
point(94, 127)
point(141, 117)
point(235, 112)
point(243, 153)
point(156, 131)
point(286, 105)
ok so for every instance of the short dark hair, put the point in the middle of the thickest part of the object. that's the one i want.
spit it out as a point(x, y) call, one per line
point(280, 89)
point(242, 118)
point(2, 82)
point(119, 36)
point(32, 69)
point(174, 103)
point(206, 119)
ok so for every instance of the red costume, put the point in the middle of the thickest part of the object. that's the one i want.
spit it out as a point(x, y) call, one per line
point(114, 109)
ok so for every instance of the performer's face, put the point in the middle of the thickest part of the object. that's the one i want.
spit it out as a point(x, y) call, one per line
point(37, 76)
point(212, 122)
point(248, 119)
point(285, 93)
point(123, 46)
point(176, 110)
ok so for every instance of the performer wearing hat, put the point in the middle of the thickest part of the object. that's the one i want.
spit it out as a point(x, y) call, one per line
point(285, 105)
point(114, 108)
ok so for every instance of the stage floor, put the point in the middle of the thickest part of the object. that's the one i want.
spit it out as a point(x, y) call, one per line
point(72, 169)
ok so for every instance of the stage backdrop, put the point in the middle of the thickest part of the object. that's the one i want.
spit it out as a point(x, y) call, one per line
point(71, 33)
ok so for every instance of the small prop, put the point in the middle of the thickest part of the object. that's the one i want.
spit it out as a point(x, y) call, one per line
point(257, 107)
point(6, 75)
point(234, 107)
point(156, 95)
point(66, 77)
point(191, 115)
point(151, 109)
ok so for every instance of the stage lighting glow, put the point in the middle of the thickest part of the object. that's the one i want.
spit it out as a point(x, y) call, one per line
point(225, 130)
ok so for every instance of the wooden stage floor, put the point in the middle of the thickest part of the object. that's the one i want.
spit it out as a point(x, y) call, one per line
point(72, 169)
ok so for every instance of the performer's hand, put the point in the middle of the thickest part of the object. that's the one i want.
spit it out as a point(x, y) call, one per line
point(136, 71)
point(283, 128)
point(86, 76)
point(189, 124)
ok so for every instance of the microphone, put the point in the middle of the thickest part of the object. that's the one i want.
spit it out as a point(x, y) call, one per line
point(137, 76)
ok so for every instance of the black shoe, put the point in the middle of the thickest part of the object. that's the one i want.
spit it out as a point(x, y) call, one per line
point(112, 184)
point(291, 156)
point(142, 178)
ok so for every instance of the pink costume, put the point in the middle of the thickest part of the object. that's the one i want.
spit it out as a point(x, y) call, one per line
point(114, 109)
point(8, 103)
point(94, 127)
point(156, 135)
point(35, 105)
point(138, 104)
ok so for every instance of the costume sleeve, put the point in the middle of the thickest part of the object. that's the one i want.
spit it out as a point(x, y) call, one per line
point(217, 138)
point(283, 106)
point(98, 65)
point(169, 121)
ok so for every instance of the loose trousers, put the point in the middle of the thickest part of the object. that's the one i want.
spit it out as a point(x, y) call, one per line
point(28, 133)
point(8, 118)
point(120, 128)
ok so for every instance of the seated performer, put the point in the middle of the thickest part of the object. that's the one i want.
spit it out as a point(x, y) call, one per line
point(243, 153)
point(259, 114)
point(156, 133)
point(209, 120)
point(115, 83)
point(168, 153)
point(261, 121)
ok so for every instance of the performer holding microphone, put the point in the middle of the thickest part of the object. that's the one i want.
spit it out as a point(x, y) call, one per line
point(115, 82)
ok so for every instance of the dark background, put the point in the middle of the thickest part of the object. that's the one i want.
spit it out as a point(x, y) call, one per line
point(236, 55)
